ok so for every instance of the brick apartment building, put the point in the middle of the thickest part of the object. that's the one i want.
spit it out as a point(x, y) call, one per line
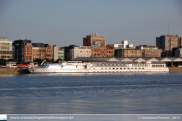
point(168, 42)
point(102, 52)
point(94, 40)
point(25, 50)
point(22, 50)
point(42, 51)
point(150, 51)
point(128, 53)
point(98, 46)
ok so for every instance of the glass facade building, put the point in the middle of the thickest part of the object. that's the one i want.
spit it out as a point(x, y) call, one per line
point(61, 54)
point(5, 48)
point(58, 53)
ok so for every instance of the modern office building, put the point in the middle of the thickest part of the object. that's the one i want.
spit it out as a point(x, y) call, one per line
point(124, 44)
point(22, 50)
point(168, 42)
point(67, 52)
point(61, 53)
point(58, 53)
point(178, 52)
point(6, 51)
point(94, 40)
point(80, 51)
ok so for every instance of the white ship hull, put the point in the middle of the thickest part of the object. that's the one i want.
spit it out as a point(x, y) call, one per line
point(99, 68)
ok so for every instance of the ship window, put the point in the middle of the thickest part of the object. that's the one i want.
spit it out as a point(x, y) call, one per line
point(135, 68)
point(101, 68)
point(120, 68)
point(138, 68)
point(142, 68)
point(105, 68)
point(128, 68)
point(131, 68)
point(109, 68)
point(116, 68)
point(124, 68)
point(113, 68)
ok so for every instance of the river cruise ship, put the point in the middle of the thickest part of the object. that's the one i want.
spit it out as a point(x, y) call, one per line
point(98, 67)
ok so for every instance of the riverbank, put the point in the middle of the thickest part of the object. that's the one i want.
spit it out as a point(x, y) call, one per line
point(14, 71)
point(175, 69)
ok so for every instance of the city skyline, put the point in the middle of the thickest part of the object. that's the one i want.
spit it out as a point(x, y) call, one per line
point(66, 23)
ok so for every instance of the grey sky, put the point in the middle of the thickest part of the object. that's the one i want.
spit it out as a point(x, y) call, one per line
point(66, 22)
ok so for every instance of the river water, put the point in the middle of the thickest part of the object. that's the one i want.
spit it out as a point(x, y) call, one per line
point(119, 93)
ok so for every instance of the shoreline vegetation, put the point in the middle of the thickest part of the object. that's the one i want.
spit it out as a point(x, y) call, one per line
point(25, 70)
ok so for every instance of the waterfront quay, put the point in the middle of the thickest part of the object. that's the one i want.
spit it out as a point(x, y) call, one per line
point(14, 71)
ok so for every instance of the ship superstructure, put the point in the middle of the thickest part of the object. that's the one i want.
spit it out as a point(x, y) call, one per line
point(98, 67)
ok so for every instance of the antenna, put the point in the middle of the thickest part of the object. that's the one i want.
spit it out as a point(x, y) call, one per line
point(168, 29)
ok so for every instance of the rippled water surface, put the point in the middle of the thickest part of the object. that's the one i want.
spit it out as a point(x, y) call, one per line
point(126, 93)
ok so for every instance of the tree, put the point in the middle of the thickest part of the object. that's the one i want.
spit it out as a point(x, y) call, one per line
point(2, 62)
point(11, 60)
point(47, 60)
point(38, 60)
point(58, 60)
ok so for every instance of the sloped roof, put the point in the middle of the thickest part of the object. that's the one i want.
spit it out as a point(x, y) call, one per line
point(166, 60)
point(153, 60)
point(139, 60)
point(126, 60)
point(38, 44)
point(107, 59)
point(178, 59)
point(112, 59)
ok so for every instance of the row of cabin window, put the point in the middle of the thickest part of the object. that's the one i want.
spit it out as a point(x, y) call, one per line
point(121, 68)
point(43, 66)
point(157, 65)
point(110, 64)
point(140, 65)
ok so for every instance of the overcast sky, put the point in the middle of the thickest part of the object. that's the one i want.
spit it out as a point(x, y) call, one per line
point(66, 22)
